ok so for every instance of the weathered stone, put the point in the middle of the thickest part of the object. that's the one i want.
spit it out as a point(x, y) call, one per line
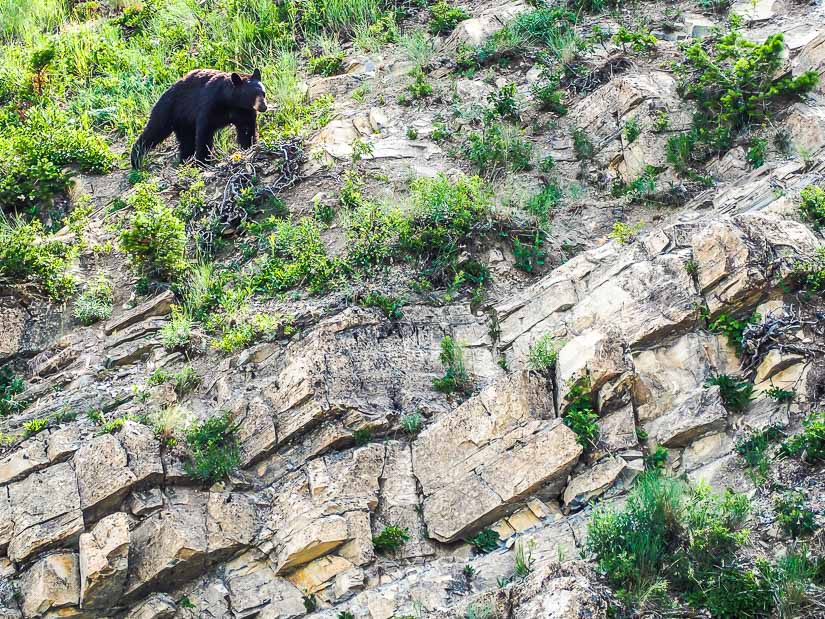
point(110, 464)
point(773, 363)
point(155, 606)
point(45, 508)
point(319, 574)
point(700, 414)
point(812, 57)
point(617, 430)
point(594, 354)
point(53, 582)
point(478, 29)
point(476, 463)
point(231, 523)
point(104, 562)
point(160, 305)
point(144, 501)
point(253, 587)
point(596, 480)
point(63, 442)
point(28, 458)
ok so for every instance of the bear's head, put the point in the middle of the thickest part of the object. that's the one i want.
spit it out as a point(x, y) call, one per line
point(249, 93)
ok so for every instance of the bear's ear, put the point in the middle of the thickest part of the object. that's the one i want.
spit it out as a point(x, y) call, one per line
point(236, 79)
point(256, 75)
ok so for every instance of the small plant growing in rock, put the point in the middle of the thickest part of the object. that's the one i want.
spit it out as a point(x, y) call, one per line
point(95, 303)
point(444, 17)
point(310, 603)
point(186, 380)
point(656, 459)
point(808, 275)
point(543, 353)
point(757, 152)
point(808, 445)
point(96, 416)
point(547, 164)
point(345, 614)
point(777, 394)
point(793, 514)
point(185, 602)
point(661, 122)
point(391, 538)
point(36, 425)
point(412, 133)
point(754, 451)
point(733, 328)
point(327, 64)
point(736, 393)
point(412, 423)
point(112, 426)
point(692, 267)
point(485, 541)
point(419, 88)
point(480, 611)
point(362, 436)
point(624, 233)
point(640, 41)
point(469, 572)
point(456, 379)
point(632, 131)
point(812, 207)
point(323, 212)
point(391, 306)
point(360, 149)
point(582, 146)
point(213, 445)
point(579, 415)
point(176, 333)
point(524, 559)
point(497, 148)
point(548, 92)
point(504, 104)
point(11, 385)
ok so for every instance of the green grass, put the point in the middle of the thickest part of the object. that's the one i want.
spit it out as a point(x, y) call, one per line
point(809, 444)
point(213, 447)
point(391, 537)
point(543, 353)
point(455, 379)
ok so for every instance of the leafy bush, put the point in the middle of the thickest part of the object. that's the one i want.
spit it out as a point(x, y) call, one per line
point(213, 446)
point(185, 380)
point(155, 238)
point(175, 334)
point(11, 385)
point(757, 152)
point(548, 92)
point(498, 148)
point(328, 64)
point(624, 233)
point(733, 328)
point(412, 423)
point(95, 303)
point(543, 353)
point(582, 146)
point(391, 306)
point(777, 394)
point(793, 514)
point(579, 415)
point(676, 539)
point(812, 207)
point(753, 450)
point(444, 17)
point(240, 331)
point(542, 203)
point(419, 88)
point(26, 254)
point(36, 425)
point(529, 256)
point(809, 274)
point(504, 104)
point(631, 130)
point(485, 541)
point(733, 83)
point(639, 40)
point(809, 444)
point(736, 393)
point(391, 538)
point(455, 379)
point(656, 459)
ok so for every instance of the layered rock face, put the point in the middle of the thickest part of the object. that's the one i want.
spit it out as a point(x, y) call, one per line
point(343, 437)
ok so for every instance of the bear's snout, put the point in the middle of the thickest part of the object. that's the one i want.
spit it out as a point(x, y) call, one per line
point(260, 104)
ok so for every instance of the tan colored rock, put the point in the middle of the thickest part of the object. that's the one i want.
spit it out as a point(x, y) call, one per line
point(29, 457)
point(702, 413)
point(63, 442)
point(478, 29)
point(812, 57)
point(254, 588)
point(109, 465)
point(319, 574)
point(160, 305)
point(155, 606)
point(773, 363)
point(596, 480)
point(597, 355)
point(478, 462)
point(522, 520)
point(617, 430)
point(45, 508)
point(806, 123)
point(51, 583)
point(104, 562)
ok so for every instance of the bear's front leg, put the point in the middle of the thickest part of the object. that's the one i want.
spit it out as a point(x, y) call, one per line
point(204, 141)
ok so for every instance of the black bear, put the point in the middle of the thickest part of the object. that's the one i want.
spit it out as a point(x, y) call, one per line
point(199, 104)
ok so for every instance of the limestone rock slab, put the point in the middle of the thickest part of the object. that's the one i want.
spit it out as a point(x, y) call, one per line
point(104, 562)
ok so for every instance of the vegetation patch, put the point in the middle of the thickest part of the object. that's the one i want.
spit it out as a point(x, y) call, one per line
point(455, 379)
point(392, 537)
point(213, 446)
point(808, 445)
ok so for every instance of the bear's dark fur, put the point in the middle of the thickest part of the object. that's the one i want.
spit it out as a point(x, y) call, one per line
point(198, 105)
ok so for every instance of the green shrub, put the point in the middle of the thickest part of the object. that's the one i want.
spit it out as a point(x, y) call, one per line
point(780, 395)
point(754, 448)
point(809, 445)
point(391, 306)
point(681, 150)
point(36, 425)
point(631, 130)
point(11, 385)
point(812, 207)
point(155, 238)
point(444, 17)
point(328, 64)
point(579, 415)
point(498, 148)
point(542, 203)
point(657, 459)
point(213, 446)
point(548, 92)
point(529, 256)
point(95, 303)
point(185, 380)
point(456, 379)
point(809, 274)
point(412, 423)
point(582, 146)
point(362, 436)
point(350, 195)
point(793, 514)
point(661, 122)
point(733, 83)
point(543, 353)
point(678, 540)
point(504, 104)
point(419, 88)
point(240, 331)
point(27, 254)
point(640, 41)
point(757, 152)
point(175, 334)
point(391, 538)
point(736, 393)
point(485, 541)
point(112, 426)
point(733, 328)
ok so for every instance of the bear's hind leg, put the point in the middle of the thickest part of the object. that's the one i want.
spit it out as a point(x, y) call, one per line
point(155, 132)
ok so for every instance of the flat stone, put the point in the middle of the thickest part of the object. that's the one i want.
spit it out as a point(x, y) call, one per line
point(595, 481)
point(29, 457)
point(104, 562)
point(51, 583)
point(159, 305)
point(155, 606)
point(700, 414)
